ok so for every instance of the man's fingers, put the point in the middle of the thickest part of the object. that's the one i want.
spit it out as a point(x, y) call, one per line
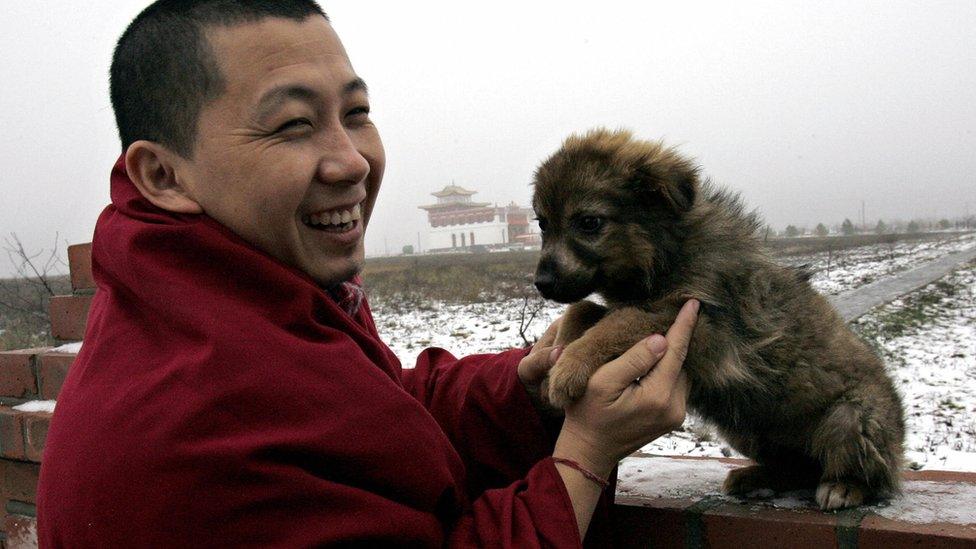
point(635, 363)
point(536, 365)
point(679, 337)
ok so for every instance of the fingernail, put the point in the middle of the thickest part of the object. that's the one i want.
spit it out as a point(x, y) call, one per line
point(656, 343)
point(695, 305)
point(554, 354)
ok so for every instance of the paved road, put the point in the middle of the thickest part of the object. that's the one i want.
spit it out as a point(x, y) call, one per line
point(855, 303)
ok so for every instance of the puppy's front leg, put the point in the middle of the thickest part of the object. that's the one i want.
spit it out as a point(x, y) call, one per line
point(578, 318)
point(616, 332)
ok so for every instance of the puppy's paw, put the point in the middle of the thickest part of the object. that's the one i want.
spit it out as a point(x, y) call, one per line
point(839, 494)
point(752, 480)
point(567, 380)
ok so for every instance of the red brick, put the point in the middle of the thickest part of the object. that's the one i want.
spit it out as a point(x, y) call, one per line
point(21, 532)
point(79, 262)
point(942, 476)
point(732, 525)
point(52, 368)
point(11, 433)
point(660, 525)
point(878, 531)
point(20, 481)
point(35, 434)
point(69, 314)
point(18, 377)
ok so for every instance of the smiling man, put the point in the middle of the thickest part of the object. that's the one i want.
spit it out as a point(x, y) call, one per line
point(232, 388)
point(285, 156)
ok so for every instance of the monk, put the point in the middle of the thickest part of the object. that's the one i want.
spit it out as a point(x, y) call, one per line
point(232, 388)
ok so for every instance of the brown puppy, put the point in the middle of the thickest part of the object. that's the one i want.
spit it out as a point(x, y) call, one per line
point(771, 364)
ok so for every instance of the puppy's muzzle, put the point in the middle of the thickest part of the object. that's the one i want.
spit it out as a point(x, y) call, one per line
point(545, 277)
point(556, 285)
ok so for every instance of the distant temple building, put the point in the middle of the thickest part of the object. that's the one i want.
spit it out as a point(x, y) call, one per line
point(457, 223)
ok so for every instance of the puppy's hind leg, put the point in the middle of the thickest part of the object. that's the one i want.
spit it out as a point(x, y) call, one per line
point(860, 458)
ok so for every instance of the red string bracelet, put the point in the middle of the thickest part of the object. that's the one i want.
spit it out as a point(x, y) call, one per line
point(586, 472)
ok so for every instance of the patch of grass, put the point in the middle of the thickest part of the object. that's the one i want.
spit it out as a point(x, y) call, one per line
point(917, 310)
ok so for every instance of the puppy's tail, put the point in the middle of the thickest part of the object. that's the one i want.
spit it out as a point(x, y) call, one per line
point(853, 444)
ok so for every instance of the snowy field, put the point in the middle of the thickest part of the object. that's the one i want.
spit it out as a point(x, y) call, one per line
point(928, 341)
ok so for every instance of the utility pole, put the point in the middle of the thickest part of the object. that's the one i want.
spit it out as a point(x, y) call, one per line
point(418, 242)
point(863, 221)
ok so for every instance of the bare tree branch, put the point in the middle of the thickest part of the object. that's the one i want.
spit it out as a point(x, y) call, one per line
point(527, 314)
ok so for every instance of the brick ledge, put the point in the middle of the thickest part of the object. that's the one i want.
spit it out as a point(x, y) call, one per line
point(667, 501)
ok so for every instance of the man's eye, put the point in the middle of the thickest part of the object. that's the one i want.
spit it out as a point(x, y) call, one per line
point(294, 123)
point(361, 112)
point(590, 224)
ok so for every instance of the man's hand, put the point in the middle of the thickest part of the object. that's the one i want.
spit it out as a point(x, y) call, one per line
point(632, 400)
point(534, 368)
point(628, 402)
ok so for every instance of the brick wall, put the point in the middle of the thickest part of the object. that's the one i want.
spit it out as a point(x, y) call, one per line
point(935, 511)
point(29, 375)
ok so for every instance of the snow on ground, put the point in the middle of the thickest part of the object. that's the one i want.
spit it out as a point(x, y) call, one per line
point(840, 271)
point(934, 363)
point(928, 340)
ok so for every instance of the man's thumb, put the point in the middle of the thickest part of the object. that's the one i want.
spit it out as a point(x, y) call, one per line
point(537, 364)
point(635, 363)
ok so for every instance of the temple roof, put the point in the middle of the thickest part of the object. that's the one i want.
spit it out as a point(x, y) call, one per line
point(455, 205)
point(453, 190)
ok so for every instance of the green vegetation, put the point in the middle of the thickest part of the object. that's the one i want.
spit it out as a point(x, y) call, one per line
point(917, 310)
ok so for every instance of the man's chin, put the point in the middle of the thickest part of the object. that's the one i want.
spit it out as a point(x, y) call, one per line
point(338, 271)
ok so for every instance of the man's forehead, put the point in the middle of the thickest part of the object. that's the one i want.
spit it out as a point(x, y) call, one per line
point(255, 50)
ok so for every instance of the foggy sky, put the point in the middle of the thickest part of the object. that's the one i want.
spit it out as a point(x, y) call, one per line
point(807, 108)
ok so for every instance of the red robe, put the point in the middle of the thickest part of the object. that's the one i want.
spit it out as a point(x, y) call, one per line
point(222, 398)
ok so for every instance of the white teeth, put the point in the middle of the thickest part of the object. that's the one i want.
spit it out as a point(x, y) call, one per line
point(334, 217)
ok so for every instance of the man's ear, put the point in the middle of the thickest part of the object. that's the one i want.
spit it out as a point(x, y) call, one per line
point(152, 168)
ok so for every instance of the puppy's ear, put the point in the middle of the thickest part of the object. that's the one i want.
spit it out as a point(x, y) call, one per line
point(676, 184)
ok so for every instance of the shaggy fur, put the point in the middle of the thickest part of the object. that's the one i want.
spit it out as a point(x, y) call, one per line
point(771, 363)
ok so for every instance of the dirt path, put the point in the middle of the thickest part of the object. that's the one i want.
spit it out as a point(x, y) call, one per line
point(855, 303)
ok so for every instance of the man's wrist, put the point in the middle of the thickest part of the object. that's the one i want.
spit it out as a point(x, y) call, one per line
point(572, 446)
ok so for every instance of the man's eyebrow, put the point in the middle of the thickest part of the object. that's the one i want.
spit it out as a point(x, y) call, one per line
point(275, 97)
point(354, 85)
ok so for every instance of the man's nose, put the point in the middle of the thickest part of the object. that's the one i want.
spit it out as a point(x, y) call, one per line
point(342, 162)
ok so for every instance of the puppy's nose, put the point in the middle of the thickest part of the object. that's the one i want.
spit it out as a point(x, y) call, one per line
point(545, 277)
point(545, 282)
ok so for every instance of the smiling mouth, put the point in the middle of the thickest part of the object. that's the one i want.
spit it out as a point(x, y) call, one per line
point(334, 221)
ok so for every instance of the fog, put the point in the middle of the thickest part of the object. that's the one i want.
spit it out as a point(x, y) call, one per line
point(808, 108)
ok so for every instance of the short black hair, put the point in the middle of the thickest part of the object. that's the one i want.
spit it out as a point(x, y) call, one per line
point(164, 70)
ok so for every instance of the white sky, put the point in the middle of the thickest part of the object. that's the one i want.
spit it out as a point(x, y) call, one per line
point(806, 107)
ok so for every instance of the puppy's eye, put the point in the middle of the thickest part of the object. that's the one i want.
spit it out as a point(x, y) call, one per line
point(542, 224)
point(590, 224)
